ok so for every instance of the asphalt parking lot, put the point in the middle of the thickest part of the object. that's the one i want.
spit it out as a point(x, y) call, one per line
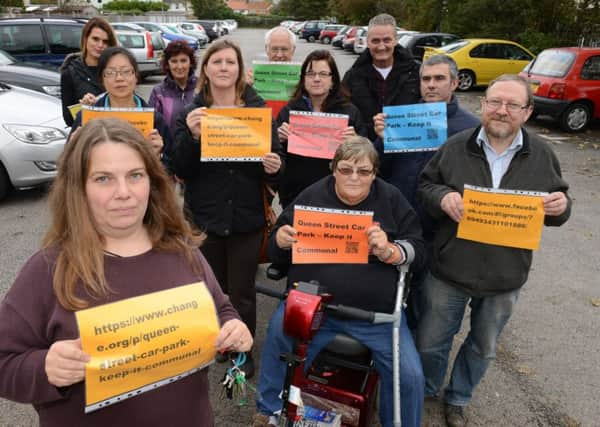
point(548, 370)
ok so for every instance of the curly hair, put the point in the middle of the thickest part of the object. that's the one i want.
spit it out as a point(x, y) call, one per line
point(175, 48)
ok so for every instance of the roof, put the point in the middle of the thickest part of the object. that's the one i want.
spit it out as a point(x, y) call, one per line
point(262, 6)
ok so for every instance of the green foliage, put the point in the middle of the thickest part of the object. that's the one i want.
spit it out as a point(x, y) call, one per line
point(11, 3)
point(305, 9)
point(212, 9)
point(260, 21)
point(359, 12)
point(135, 5)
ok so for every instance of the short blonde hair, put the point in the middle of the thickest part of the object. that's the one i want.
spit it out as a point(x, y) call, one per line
point(356, 148)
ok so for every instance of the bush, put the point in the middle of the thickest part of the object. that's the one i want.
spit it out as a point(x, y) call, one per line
point(135, 5)
point(259, 21)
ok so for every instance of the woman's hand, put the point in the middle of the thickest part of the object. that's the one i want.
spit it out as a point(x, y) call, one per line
point(88, 99)
point(271, 163)
point(193, 120)
point(250, 77)
point(348, 132)
point(379, 124)
point(156, 141)
point(285, 236)
point(378, 241)
point(65, 363)
point(234, 336)
point(283, 132)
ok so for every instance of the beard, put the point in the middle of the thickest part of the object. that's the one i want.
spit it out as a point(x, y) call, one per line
point(494, 128)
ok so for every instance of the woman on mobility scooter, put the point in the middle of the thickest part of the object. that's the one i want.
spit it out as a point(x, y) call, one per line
point(394, 239)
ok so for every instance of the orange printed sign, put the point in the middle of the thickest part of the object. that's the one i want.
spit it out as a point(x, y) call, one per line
point(315, 134)
point(502, 217)
point(235, 134)
point(141, 343)
point(331, 236)
point(140, 118)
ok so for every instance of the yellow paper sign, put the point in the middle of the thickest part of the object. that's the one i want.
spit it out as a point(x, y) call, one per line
point(138, 344)
point(140, 118)
point(235, 134)
point(74, 109)
point(502, 217)
point(330, 236)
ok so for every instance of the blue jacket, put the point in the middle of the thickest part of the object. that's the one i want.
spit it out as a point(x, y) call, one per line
point(403, 169)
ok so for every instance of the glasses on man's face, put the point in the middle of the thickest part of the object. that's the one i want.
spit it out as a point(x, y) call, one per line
point(112, 74)
point(280, 50)
point(348, 171)
point(321, 74)
point(496, 104)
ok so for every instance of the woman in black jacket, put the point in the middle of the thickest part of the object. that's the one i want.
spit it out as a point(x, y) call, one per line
point(79, 83)
point(224, 199)
point(318, 90)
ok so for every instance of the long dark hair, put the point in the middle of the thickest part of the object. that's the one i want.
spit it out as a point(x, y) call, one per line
point(337, 90)
point(96, 22)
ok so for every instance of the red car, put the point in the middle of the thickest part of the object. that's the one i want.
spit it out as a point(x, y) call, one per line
point(329, 32)
point(566, 85)
point(349, 38)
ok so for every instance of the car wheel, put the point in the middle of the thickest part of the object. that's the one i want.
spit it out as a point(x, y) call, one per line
point(326, 40)
point(576, 117)
point(4, 183)
point(311, 39)
point(466, 80)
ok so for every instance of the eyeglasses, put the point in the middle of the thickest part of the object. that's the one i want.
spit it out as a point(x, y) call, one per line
point(321, 74)
point(348, 171)
point(511, 107)
point(279, 50)
point(112, 74)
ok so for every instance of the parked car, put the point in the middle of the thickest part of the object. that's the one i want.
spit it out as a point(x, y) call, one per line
point(349, 37)
point(210, 27)
point(338, 40)
point(140, 45)
point(482, 60)
point(32, 137)
point(297, 27)
point(232, 23)
point(167, 34)
point(43, 40)
point(566, 85)
point(329, 32)
point(360, 40)
point(311, 30)
point(417, 42)
point(201, 41)
point(30, 76)
point(194, 30)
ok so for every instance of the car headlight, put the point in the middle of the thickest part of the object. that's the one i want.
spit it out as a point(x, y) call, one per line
point(35, 134)
point(52, 90)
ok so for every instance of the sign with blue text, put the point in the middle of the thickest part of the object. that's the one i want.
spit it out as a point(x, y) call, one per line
point(414, 127)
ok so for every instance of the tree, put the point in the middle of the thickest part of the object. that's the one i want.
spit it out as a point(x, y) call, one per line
point(212, 9)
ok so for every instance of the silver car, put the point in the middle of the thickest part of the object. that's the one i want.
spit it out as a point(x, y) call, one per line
point(32, 137)
point(194, 30)
point(141, 45)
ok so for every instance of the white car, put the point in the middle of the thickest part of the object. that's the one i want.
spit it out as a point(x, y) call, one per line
point(360, 41)
point(32, 137)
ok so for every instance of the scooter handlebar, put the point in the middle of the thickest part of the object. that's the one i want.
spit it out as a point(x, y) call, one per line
point(351, 312)
point(270, 291)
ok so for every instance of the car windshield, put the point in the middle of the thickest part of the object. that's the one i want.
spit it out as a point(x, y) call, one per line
point(453, 47)
point(552, 63)
point(6, 59)
point(404, 40)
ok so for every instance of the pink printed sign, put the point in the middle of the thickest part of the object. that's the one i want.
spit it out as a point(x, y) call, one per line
point(315, 135)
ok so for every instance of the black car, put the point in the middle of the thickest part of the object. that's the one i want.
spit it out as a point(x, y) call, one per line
point(417, 42)
point(311, 30)
point(211, 28)
point(42, 40)
point(29, 75)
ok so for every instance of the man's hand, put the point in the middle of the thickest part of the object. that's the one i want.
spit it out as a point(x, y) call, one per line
point(379, 124)
point(285, 237)
point(452, 204)
point(555, 203)
point(65, 363)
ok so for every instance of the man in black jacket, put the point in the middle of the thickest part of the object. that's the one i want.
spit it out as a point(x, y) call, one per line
point(384, 74)
point(498, 155)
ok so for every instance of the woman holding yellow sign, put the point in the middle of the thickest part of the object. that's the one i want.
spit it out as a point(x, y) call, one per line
point(224, 198)
point(319, 90)
point(117, 235)
point(119, 71)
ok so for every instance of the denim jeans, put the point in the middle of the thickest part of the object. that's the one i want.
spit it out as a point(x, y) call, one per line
point(378, 338)
point(443, 308)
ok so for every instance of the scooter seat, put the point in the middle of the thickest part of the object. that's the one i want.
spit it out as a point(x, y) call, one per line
point(345, 346)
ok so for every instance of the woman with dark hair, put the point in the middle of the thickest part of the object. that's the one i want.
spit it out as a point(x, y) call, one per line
point(79, 83)
point(116, 232)
point(119, 73)
point(177, 89)
point(225, 199)
point(318, 90)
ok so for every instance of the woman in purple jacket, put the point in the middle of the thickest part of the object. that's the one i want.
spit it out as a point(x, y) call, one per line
point(177, 89)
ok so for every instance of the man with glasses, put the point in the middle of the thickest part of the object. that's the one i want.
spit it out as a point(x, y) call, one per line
point(439, 79)
point(384, 74)
point(280, 45)
point(500, 154)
